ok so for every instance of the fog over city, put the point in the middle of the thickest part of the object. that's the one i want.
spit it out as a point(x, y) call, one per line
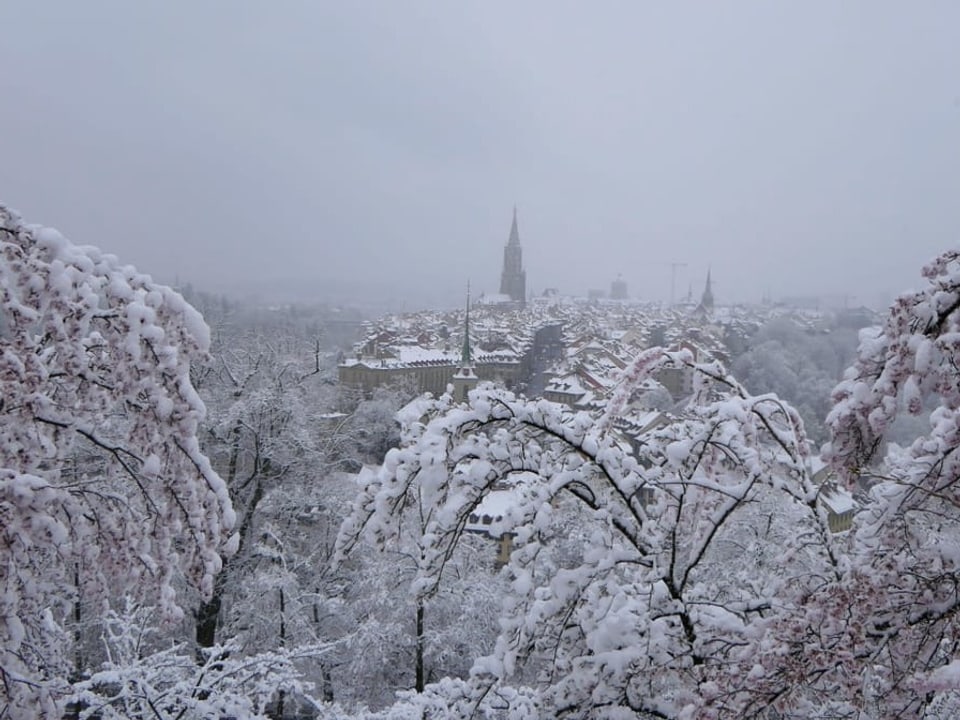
point(455, 360)
point(344, 150)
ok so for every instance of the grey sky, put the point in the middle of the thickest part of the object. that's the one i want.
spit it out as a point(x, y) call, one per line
point(378, 147)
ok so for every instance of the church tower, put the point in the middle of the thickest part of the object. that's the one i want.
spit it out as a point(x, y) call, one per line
point(706, 300)
point(513, 279)
point(465, 378)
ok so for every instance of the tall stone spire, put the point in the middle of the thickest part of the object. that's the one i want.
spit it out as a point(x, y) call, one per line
point(514, 232)
point(465, 379)
point(513, 279)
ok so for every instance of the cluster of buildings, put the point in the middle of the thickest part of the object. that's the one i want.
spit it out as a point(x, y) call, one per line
point(516, 341)
point(570, 351)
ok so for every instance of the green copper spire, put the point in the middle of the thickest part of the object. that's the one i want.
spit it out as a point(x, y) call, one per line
point(466, 356)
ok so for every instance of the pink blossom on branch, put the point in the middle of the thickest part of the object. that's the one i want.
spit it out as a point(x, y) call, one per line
point(103, 488)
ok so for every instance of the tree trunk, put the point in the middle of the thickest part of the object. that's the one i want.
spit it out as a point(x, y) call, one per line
point(326, 678)
point(77, 631)
point(419, 659)
point(208, 614)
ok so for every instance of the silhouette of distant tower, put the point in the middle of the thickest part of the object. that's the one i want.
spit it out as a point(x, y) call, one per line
point(513, 279)
point(707, 298)
point(618, 289)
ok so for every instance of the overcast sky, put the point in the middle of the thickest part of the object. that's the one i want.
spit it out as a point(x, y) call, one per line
point(377, 148)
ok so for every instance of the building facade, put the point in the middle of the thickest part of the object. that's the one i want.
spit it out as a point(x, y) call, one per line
point(428, 374)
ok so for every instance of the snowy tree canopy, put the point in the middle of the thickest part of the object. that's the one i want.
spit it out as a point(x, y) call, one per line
point(907, 543)
point(103, 488)
point(708, 585)
point(683, 572)
point(648, 616)
point(801, 366)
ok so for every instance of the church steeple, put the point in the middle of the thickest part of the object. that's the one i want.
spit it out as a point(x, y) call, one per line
point(465, 379)
point(514, 232)
point(513, 279)
point(706, 300)
point(466, 355)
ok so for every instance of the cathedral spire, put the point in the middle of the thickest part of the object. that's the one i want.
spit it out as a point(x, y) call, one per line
point(513, 279)
point(514, 232)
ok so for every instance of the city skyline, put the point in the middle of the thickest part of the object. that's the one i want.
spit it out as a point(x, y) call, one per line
point(335, 150)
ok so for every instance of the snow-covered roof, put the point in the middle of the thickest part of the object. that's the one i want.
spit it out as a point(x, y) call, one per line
point(488, 516)
point(817, 465)
point(409, 355)
point(838, 500)
point(493, 299)
point(645, 420)
point(568, 384)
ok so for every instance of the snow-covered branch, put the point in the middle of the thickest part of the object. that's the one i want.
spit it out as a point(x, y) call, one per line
point(646, 611)
point(103, 487)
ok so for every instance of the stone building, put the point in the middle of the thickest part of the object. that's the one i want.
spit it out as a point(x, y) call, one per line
point(427, 370)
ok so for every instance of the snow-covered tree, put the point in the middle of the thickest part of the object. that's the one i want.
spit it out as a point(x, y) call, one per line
point(877, 637)
point(260, 435)
point(402, 640)
point(277, 440)
point(287, 595)
point(103, 487)
point(645, 618)
point(799, 365)
point(147, 677)
point(906, 555)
